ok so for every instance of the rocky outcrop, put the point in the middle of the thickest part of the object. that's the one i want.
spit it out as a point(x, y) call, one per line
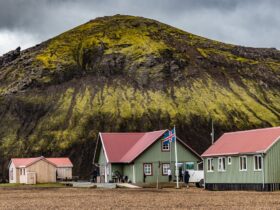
point(9, 57)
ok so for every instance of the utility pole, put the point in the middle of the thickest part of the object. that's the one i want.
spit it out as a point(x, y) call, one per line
point(212, 132)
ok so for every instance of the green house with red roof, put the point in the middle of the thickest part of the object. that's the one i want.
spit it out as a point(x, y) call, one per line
point(244, 160)
point(141, 157)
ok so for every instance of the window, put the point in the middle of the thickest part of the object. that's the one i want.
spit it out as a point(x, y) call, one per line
point(22, 171)
point(229, 160)
point(165, 167)
point(189, 165)
point(258, 162)
point(243, 163)
point(210, 165)
point(221, 164)
point(165, 146)
point(148, 169)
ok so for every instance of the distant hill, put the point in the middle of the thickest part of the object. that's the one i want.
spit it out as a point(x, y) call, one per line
point(125, 73)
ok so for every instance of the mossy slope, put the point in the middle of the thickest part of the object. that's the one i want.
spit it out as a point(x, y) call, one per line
point(126, 73)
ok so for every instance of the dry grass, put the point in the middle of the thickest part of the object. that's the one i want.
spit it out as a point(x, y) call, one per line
point(193, 198)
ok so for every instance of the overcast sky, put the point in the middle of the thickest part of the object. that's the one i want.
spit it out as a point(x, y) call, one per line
point(244, 22)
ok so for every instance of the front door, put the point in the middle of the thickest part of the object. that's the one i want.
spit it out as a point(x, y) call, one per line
point(180, 171)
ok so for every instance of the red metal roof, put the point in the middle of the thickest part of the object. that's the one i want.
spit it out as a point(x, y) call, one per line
point(125, 147)
point(61, 162)
point(25, 162)
point(244, 142)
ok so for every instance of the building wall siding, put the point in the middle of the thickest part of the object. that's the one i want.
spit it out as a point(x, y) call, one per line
point(232, 173)
point(64, 173)
point(15, 174)
point(102, 164)
point(45, 172)
point(154, 155)
point(272, 164)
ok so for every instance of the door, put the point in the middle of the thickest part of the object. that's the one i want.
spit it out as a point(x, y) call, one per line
point(31, 178)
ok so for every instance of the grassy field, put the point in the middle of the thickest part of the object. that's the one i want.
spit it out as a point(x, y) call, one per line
point(193, 198)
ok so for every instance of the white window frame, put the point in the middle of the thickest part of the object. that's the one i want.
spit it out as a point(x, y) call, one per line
point(210, 163)
point(259, 163)
point(229, 160)
point(165, 167)
point(148, 165)
point(165, 149)
point(222, 164)
point(241, 167)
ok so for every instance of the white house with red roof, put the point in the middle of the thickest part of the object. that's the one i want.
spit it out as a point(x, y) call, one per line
point(244, 160)
point(141, 157)
point(39, 170)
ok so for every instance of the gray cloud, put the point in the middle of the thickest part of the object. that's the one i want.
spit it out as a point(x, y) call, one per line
point(244, 22)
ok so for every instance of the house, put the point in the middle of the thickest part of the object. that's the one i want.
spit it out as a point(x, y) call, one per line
point(140, 157)
point(244, 160)
point(39, 170)
point(63, 167)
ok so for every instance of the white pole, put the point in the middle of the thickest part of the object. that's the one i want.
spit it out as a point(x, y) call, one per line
point(212, 133)
point(170, 144)
point(262, 171)
point(176, 161)
point(133, 172)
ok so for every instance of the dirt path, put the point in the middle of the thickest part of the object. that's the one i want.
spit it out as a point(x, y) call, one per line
point(78, 199)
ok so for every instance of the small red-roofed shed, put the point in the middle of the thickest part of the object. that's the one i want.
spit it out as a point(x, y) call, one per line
point(39, 170)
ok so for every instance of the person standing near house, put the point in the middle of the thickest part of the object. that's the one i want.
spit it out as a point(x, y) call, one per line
point(169, 173)
point(180, 174)
point(144, 177)
point(186, 178)
point(94, 175)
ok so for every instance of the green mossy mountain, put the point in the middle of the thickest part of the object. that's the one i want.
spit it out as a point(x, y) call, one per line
point(126, 73)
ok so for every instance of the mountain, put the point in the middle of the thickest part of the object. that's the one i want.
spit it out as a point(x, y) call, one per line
point(126, 73)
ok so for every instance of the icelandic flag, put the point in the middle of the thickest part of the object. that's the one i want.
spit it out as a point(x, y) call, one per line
point(169, 136)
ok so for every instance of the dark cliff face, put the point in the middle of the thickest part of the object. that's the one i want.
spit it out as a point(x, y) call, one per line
point(125, 73)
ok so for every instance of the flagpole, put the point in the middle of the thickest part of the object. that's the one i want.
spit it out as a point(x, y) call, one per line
point(176, 161)
point(170, 144)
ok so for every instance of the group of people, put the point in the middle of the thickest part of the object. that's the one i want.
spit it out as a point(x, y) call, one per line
point(184, 176)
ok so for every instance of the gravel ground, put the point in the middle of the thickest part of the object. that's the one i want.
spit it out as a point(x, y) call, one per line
point(78, 199)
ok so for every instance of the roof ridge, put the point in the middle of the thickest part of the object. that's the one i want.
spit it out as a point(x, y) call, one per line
point(252, 130)
point(125, 133)
point(139, 140)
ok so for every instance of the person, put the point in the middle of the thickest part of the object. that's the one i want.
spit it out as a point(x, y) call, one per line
point(187, 178)
point(180, 175)
point(169, 173)
point(94, 175)
point(144, 177)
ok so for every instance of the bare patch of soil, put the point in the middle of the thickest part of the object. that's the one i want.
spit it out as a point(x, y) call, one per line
point(193, 198)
